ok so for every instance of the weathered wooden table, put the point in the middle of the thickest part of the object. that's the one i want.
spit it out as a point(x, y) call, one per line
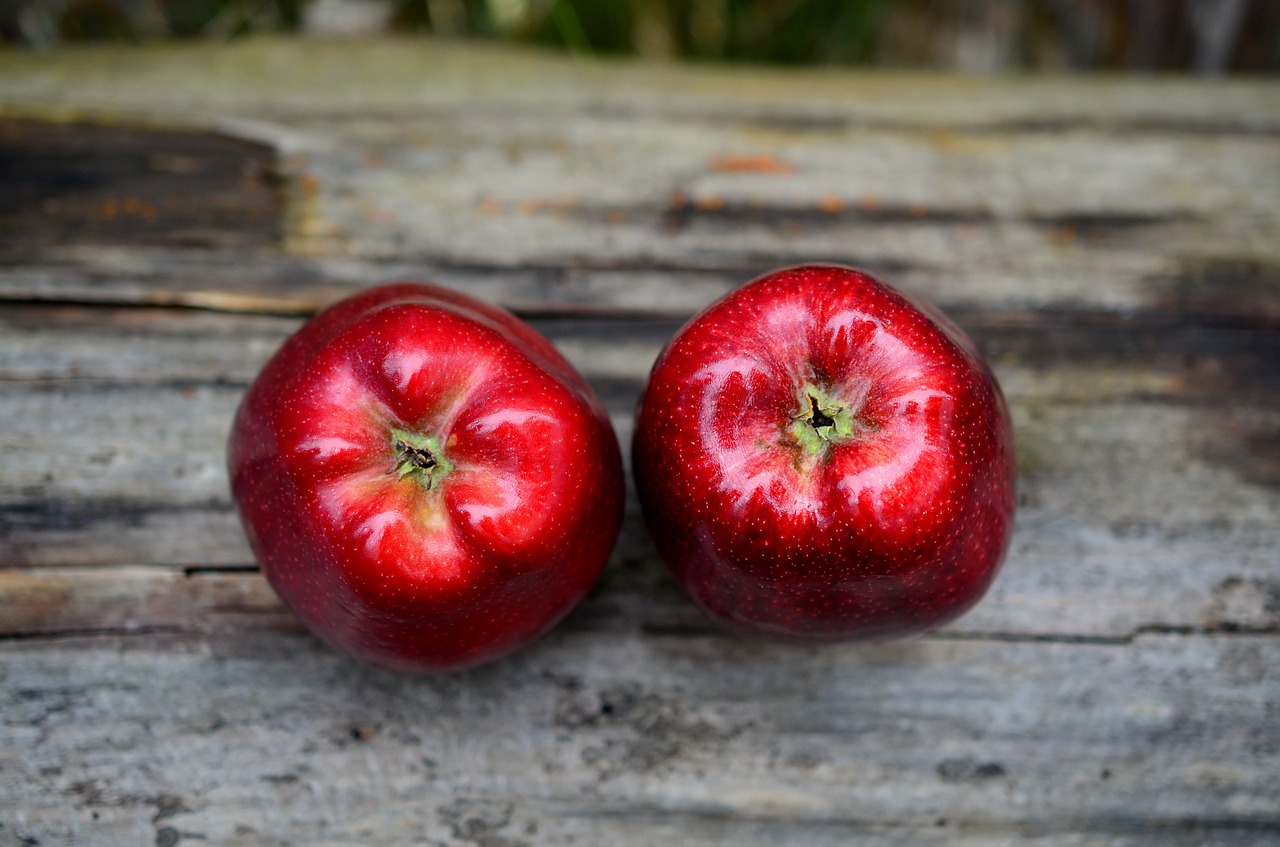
point(167, 214)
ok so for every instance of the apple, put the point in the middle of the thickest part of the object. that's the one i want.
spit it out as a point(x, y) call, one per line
point(821, 458)
point(425, 481)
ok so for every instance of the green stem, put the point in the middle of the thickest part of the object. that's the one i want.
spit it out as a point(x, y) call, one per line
point(419, 457)
point(822, 421)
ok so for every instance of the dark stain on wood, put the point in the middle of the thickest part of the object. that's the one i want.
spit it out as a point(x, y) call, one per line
point(1243, 441)
point(363, 733)
point(44, 515)
point(683, 211)
point(641, 731)
point(280, 779)
point(969, 770)
point(480, 822)
point(1240, 603)
point(86, 183)
point(92, 793)
point(1123, 126)
point(1213, 356)
point(1224, 286)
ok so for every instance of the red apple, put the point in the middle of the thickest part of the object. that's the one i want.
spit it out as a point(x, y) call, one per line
point(426, 482)
point(820, 458)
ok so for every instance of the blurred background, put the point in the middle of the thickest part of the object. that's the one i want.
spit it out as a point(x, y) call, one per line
point(1192, 36)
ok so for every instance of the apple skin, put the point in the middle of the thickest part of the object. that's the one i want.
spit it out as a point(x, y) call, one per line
point(425, 481)
point(820, 458)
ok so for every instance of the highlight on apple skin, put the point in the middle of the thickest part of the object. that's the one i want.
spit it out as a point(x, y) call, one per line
point(427, 483)
point(821, 458)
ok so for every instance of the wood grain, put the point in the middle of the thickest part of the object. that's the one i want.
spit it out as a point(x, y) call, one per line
point(249, 740)
point(1131, 516)
point(1109, 243)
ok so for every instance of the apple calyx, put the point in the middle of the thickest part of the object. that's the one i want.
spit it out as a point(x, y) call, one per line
point(821, 421)
point(419, 457)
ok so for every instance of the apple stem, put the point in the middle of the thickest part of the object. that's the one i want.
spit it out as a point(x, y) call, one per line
point(821, 422)
point(418, 457)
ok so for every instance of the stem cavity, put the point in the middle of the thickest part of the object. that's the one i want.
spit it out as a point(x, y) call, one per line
point(419, 457)
point(821, 421)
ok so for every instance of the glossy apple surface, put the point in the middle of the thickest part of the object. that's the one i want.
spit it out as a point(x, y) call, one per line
point(425, 481)
point(820, 458)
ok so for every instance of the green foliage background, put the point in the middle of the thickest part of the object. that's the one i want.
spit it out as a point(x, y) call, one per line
point(1204, 35)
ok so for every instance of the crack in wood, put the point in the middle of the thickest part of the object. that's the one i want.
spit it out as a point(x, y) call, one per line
point(1049, 825)
point(95, 632)
point(1124, 640)
point(688, 209)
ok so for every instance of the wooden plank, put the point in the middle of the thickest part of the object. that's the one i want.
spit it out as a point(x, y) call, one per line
point(309, 79)
point(624, 737)
point(640, 252)
point(1148, 489)
point(1017, 216)
point(637, 594)
point(1234, 278)
point(301, 285)
point(1183, 355)
point(639, 207)
point(135, 600)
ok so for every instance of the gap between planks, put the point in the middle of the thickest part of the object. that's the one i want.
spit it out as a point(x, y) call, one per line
point(237, 597)
point(976, 317)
